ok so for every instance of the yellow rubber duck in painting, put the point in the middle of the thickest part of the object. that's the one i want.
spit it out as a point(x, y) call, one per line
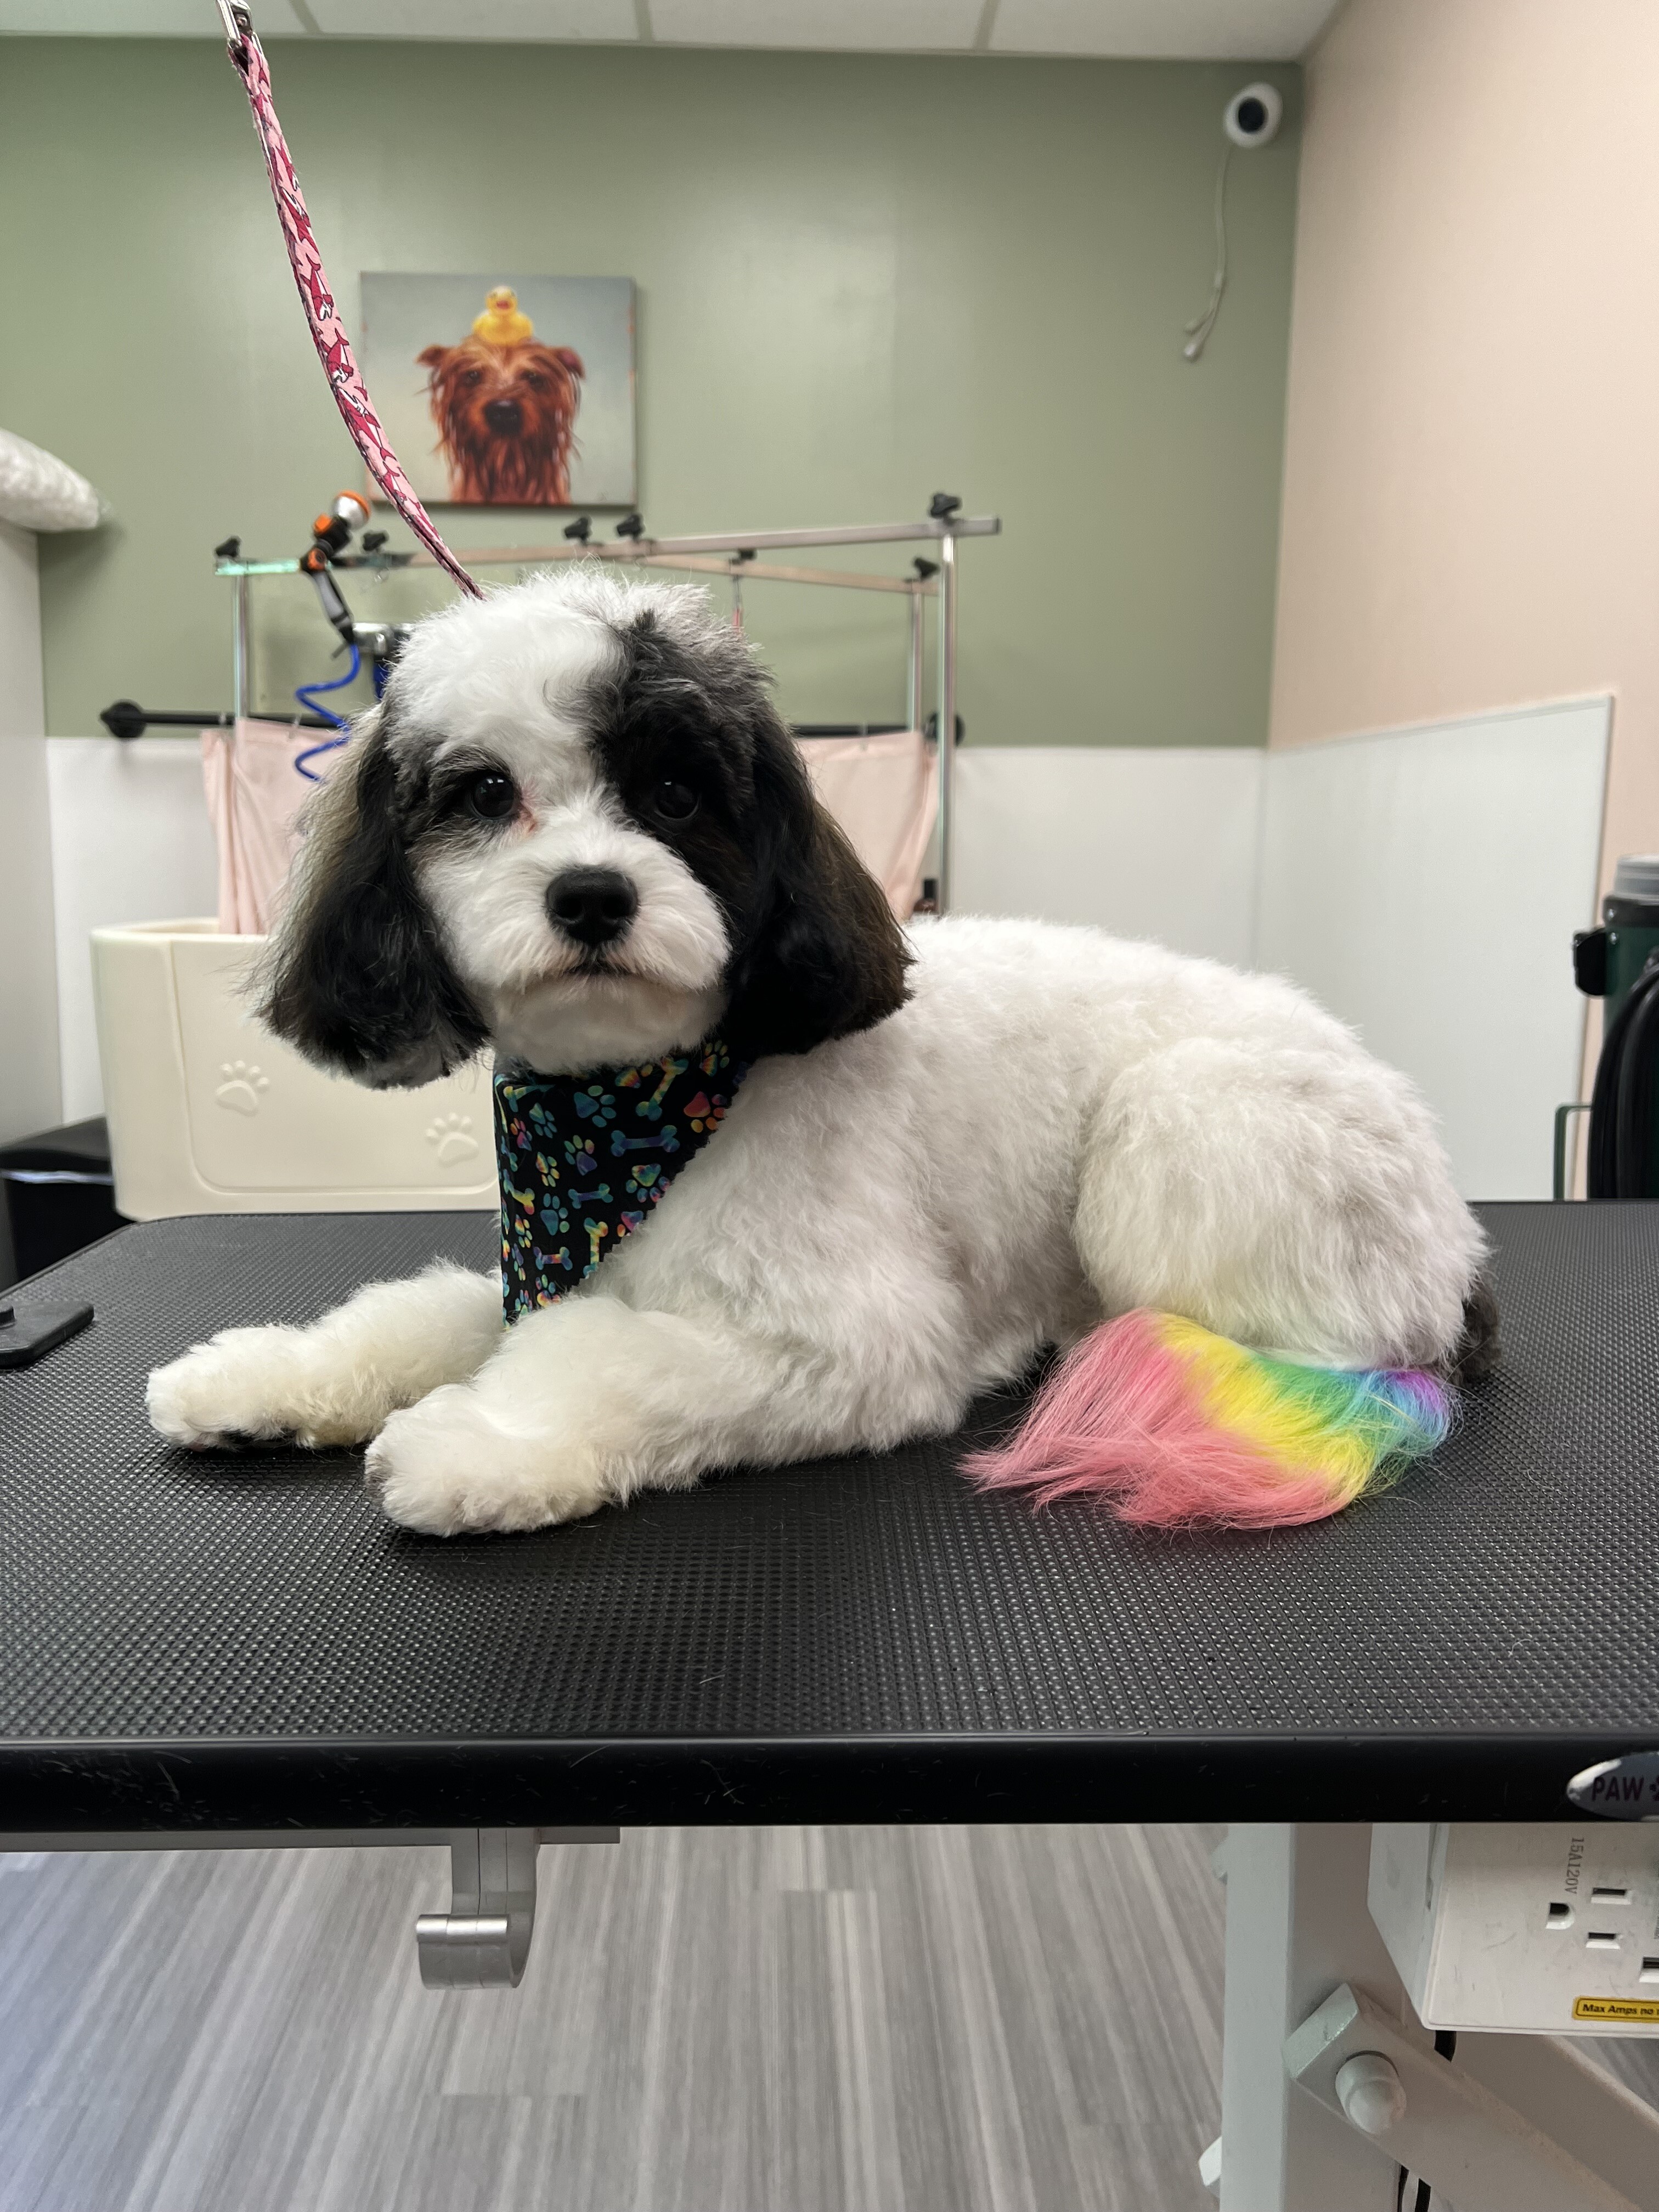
point(502, 322)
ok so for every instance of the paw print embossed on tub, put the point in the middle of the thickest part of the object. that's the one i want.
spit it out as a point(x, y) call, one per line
point(241, 1084)
point(451, 1137)
point(230, 1120)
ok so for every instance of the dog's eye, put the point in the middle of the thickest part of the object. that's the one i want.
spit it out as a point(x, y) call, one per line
point(674, 802)
point(473, 376)
point(491, 796)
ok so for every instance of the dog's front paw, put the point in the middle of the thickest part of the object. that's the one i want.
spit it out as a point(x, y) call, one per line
point(248, 1385)
point(445, 1466)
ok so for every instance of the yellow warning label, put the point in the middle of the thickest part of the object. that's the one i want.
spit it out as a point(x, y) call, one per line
point(1644, 2008)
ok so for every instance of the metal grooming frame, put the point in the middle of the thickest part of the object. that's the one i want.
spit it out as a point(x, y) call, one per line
point(701, 556)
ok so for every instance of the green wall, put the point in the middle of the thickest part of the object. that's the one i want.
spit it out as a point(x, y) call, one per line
point(861, 279)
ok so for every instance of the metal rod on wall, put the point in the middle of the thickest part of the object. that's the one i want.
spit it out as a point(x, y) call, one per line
point(915, 702)
point(242, 689)
point(947, 708)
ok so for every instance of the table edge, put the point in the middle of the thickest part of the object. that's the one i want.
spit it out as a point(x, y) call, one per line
point(227, 1783)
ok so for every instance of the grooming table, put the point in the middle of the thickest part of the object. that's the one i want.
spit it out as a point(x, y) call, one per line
point(228, 1648)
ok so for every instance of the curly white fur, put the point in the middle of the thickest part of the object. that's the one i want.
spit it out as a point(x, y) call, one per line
point(1056, 1127)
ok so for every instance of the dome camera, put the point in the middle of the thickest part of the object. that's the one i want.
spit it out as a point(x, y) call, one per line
point(1254, 115)
point(1252, 119)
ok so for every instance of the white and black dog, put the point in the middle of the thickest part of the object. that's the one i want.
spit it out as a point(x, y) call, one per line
point(577, 832)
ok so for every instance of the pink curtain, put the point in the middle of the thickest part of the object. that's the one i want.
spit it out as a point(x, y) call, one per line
point(254, 793)
point(883, 792)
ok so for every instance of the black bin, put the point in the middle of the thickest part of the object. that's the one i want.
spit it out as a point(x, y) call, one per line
point(58, 1194)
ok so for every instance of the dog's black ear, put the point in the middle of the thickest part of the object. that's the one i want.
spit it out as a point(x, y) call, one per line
point(355, 976)
point(826, 957)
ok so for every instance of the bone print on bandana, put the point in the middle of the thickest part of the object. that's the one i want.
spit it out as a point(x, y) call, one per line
point(327, 331)
point(583, 1159)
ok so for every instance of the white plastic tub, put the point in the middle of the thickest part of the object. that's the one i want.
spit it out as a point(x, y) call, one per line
point(210, 1114)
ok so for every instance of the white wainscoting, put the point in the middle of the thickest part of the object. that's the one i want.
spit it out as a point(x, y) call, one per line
point(28, 1013)
point(1424, 884)
point(1145, 841)
point(130, 841)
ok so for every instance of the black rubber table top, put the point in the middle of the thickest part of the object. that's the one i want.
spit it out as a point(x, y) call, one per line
point(241, 1640)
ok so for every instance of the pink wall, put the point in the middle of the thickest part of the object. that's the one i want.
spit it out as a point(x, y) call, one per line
point(1471, 513)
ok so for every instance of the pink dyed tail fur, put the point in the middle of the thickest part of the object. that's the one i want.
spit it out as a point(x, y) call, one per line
point(1178, 1428)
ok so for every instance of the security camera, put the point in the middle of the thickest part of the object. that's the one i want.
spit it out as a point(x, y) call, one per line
point(1252, 119)
point(1254, 115)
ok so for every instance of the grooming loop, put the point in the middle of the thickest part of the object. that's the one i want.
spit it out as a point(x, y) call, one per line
point(327, 331)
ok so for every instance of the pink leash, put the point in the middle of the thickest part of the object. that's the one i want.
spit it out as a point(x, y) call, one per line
point(327, 331)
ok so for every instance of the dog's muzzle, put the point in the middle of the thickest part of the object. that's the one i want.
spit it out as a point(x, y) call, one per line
point(593, 906)
point(503, 414)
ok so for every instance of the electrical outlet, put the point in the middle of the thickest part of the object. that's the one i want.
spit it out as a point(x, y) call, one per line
point(1530, 1927)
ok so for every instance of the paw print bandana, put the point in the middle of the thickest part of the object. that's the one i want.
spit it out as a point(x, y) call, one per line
point(583, 1159)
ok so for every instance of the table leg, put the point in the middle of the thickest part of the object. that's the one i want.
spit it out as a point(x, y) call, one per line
point(1297, 1927)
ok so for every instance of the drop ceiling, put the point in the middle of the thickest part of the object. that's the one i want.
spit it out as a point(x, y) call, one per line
point(1174, 30)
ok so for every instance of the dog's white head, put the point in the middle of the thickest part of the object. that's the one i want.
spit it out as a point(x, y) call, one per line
point(575, 828)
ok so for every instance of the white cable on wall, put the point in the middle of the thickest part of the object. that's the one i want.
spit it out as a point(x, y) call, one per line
point(1199, 328)
point(1252, 119)
point(39, 492)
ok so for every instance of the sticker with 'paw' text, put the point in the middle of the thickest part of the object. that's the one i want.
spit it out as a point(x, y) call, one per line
point(1625, 1789)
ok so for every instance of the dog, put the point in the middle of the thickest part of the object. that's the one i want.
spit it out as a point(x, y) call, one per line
point(507, 419)
point(957, 1146)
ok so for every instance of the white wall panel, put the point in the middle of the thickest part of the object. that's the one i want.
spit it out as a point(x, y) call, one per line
point(28, 1014)
point(130, 841)
point(1153, 841)
point(1425, 883)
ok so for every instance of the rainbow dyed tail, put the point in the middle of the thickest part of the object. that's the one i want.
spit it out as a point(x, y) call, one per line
point(1181, 1427)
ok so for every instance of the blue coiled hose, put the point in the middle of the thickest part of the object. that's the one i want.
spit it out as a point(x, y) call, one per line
point(306, 696)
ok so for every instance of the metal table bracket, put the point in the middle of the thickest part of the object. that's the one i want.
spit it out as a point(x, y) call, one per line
point(1461, 2135)
point(482, 1941)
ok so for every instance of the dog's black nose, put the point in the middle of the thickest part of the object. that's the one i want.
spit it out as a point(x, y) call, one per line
point(593, 905)
point(503, 414)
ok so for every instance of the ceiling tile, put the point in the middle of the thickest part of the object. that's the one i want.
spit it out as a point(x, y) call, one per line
point(523, 20)
point(1175, 30)
point(858, 26)
point(155, 19)
point(1219, 30)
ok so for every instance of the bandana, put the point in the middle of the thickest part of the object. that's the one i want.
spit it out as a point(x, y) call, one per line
point(583, 1159)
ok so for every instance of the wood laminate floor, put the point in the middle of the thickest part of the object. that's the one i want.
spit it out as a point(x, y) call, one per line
point(841, 2020)
point(712, 2020)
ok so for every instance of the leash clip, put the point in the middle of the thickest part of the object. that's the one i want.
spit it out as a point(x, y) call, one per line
point(239, 29)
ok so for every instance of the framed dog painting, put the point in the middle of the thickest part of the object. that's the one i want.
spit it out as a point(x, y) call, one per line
point(505, 390)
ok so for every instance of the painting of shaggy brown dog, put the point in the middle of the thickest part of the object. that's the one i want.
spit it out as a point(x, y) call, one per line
point(507, 420)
